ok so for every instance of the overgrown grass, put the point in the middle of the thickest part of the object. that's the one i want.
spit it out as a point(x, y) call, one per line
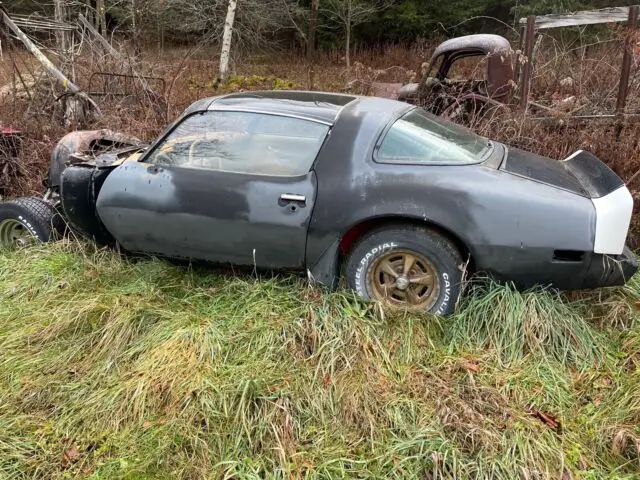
point(114, 368)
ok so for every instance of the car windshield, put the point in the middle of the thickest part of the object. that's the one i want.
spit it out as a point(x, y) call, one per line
point(422, 138)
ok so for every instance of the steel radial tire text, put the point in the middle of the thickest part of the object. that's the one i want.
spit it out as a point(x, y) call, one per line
point(28, 219)
point(406, 266)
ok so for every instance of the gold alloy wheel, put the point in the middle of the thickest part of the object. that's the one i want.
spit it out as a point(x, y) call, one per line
point(404, 279)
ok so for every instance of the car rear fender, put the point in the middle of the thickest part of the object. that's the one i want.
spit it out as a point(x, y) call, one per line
point(513, 227)
point(585, 175)
point(326, 269)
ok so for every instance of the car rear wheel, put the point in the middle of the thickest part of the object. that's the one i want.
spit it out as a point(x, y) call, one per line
point(408, 267)
point(28, 220)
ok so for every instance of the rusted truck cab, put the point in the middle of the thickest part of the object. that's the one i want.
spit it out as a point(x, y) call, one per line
point(447, 85)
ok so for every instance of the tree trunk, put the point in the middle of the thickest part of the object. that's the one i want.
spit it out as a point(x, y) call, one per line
point(311, 41)
point(135, 32)
point(63, 43)
point(101, 18)
point(226, 40)
point(347, 45)
point(88, 11)
point(160, 24)
point(58, 14)
point(348, 36)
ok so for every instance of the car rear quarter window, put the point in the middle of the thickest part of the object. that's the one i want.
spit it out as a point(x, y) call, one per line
point(242, 142)
point(419, 137)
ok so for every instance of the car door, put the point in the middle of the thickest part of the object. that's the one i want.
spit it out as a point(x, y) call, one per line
point(222, 186)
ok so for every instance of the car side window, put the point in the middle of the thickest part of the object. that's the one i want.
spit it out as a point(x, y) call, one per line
point(419, 137)
point(242, 142)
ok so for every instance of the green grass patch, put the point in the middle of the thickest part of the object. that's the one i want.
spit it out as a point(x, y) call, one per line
point(139, 368)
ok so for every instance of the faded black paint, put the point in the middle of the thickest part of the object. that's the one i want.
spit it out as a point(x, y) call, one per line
point(510, 225)
point(79, 187)
point(215, 216)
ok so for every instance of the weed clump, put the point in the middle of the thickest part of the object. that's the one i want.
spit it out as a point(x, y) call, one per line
point(539, 322)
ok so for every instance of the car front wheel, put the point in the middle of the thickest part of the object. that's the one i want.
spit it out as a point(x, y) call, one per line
point(28, 220)
point(408, 267)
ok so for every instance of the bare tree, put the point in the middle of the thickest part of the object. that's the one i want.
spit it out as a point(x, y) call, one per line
point(78, 105)
point(101, 17)
point(63, 37)
point(347, 14)
point(135, 31)
point(226, 40)
point(311, 41)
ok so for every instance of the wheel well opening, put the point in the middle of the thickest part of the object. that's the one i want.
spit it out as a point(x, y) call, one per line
point(351, 237)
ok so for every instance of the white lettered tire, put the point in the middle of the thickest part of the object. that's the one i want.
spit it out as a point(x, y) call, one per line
point(29, 219)
point(406, 266)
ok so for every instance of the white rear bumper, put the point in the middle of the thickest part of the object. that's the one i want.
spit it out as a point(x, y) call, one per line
point(613, 216)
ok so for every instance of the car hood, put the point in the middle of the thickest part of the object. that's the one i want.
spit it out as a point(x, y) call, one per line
point(116, 157)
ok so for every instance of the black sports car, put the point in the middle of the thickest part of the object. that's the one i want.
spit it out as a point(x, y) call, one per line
point(400, 201)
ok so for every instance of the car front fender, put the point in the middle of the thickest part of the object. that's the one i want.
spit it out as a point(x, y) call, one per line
point(80, 142)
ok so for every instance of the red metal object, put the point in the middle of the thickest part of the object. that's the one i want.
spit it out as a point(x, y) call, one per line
point(5, 131)
point(437, 90)
point(435, 93)
point(10, 142)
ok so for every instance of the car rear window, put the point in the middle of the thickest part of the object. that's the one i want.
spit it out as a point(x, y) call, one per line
point(422, 138)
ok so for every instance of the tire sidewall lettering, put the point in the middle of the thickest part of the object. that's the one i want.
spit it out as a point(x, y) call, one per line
point(27, 224)
point(446, 295)
point(361, 272)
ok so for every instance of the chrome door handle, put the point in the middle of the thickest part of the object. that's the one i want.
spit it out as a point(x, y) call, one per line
point(291, 197)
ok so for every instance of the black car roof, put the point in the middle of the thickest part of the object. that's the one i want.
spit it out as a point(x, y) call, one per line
point(321, 106)
point(318, 106)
